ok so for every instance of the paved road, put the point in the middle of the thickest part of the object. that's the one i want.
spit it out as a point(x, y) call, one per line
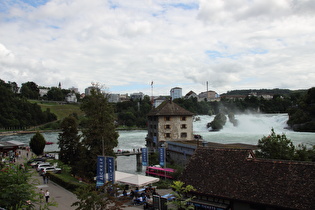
point(65, 198)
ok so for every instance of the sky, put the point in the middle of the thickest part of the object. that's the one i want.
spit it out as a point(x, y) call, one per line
point(125, 45)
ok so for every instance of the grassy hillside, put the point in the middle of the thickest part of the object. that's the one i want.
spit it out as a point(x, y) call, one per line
point(60, 110)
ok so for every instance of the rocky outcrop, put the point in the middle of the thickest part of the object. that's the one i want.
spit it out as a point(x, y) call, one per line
point(218, 122)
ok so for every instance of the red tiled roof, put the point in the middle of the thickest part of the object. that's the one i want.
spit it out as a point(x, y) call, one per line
point(230, 174)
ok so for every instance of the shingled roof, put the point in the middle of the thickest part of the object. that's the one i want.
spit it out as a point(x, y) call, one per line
point(169, 108)
point(237, 175)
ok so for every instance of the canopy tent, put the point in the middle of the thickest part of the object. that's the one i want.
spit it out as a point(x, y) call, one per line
point(121, 175)
point(138, 180)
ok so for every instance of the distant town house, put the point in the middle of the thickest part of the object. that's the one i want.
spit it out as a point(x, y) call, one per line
point(137, 96)
point(71, 98)
point(209, 96)
point(191, 94)
point(176, 92)
point(113, 98)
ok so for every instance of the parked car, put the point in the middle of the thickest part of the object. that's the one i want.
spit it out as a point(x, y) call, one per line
point(49, 169)
point(35, 164)
point(34, 160)
point(42, 165)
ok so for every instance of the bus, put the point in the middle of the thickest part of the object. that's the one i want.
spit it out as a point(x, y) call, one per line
point(160, 172)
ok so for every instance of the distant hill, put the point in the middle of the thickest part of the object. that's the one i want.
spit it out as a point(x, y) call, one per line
point(275, 91)
point(60, 110)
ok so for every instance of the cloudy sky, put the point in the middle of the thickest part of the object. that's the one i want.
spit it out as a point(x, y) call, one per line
point(126, 44)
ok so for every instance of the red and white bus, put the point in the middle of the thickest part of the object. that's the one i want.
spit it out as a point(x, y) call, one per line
point(160, 172)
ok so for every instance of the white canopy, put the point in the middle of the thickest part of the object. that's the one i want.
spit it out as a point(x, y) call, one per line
point(120, 175)
point(134, 179)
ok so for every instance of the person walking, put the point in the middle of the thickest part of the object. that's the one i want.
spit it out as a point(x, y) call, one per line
point(42, 195)
point(47, 195)
point(44, 177)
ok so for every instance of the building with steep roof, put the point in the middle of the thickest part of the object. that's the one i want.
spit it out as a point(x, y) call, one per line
point(191, 94)
point(235, 179)
point(168, 122)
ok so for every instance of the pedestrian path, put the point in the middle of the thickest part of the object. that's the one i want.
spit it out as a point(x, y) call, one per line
point(63, 197)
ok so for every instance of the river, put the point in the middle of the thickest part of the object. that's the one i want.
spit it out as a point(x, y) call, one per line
point(251, 128)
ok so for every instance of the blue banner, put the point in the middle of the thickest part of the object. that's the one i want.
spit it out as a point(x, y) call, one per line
point(145, 160)
point(110, 165)
point(100, 176)
point(162, 156)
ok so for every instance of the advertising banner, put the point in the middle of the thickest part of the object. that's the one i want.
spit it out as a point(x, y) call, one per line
point(145, 159)
point(100, 176)
point(162, 156)
point(110, 168)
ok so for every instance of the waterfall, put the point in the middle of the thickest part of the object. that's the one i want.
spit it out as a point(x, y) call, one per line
point(251, 128)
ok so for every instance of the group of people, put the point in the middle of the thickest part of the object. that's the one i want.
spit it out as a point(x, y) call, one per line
point(44, 194)
point(145, 196)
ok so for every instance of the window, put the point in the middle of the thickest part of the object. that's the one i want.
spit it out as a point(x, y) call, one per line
point(183, 118)
point(167, 135)
point(167, 127)
point(183, 126)
point(183, 135)
point(168, 118)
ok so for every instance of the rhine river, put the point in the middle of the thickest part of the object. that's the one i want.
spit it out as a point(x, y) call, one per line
point(251, 128)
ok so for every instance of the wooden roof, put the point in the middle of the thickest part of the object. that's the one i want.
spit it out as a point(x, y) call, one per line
point(236, 174)
point(169, 108)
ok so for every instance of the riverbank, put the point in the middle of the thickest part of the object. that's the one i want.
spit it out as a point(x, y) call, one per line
point(8, 133)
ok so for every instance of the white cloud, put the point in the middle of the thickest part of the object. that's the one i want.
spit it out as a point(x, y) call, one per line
point(125, 45)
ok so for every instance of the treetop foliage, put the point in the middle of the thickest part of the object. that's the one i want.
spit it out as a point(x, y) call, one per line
point(276, 146)
point(17, 112)
point(38, 143)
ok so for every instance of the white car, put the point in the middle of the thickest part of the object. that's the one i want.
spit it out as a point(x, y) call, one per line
point(49, 169)
point(36, 163)
point(42, 165)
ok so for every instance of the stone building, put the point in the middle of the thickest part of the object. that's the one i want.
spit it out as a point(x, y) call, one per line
point(168, 122)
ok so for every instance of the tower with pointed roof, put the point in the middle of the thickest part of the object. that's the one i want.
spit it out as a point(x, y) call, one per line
point(169, 122)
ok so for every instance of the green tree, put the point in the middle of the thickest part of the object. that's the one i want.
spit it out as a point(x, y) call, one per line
point(57, 94)
point(275, 146)
point(38, 143)
point(30, 90)
point(17, 188)
point(179, 191)
point(99, 134)
point(91, 198)
point(69, 142)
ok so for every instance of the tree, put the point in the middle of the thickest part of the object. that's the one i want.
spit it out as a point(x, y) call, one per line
point(179, 191)
point(69, 141)
point(99, 134)
point(275, 146)
point(17, 188)
point(30, 90)
point(38, 143)
point(94, 198)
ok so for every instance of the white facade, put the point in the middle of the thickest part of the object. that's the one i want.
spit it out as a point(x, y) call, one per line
point(176, 92)
point(43, 92)
point(113, 98)
point(71, 98)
